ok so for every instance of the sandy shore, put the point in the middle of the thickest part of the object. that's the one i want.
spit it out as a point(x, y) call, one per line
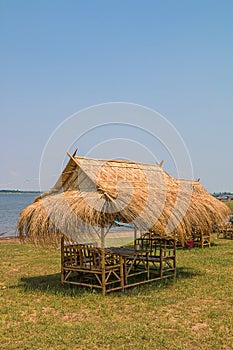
point(9, 239)
point(111, 235)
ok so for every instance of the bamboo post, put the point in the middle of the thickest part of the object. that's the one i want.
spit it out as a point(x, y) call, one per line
point(102, 237)
point(62, 259)
point(122, 273)
point(160, 259)
point(174, 242)
point(103, 260)
point(135, 233)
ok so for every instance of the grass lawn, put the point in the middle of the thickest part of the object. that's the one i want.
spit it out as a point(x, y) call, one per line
point(230, 205)
point(193, 312)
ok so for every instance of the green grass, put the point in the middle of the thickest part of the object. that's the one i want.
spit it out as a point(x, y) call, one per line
point(230, 205)
point(192, 312)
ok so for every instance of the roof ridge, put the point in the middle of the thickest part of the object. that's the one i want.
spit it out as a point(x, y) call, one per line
point(117, 161)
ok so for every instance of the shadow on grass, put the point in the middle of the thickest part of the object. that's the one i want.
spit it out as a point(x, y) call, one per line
point(52, 283)
point(214, 244)
point(187, 272)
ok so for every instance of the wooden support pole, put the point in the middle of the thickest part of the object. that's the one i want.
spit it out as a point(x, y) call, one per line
point(135, 233)
point(103, 261)
point(102, 237)
point(103, 273)
point(62, 259)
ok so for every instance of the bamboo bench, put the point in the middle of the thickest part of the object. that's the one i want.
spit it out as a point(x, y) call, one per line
point(201, 236)
point(114, 268)
point(86, 265)
point(225, 231)
point(161, 257)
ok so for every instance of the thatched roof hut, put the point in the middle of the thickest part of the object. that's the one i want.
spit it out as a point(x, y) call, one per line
point(91, 194)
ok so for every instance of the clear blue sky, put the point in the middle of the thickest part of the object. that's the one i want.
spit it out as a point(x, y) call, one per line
point(58, 57)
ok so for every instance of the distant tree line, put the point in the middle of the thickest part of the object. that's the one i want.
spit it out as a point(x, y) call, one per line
point(217, 194)
point(18, 191)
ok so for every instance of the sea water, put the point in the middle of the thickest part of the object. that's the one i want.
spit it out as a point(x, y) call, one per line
point(11, 205)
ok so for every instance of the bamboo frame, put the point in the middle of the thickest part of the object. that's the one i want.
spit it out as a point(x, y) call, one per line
point(201, 236)
point(89, 266)
point(118, 268)
point(225, 231)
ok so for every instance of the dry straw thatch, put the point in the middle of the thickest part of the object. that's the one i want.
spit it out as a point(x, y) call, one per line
point(92, 193)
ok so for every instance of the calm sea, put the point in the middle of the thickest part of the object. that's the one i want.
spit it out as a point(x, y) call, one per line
point(11, 205)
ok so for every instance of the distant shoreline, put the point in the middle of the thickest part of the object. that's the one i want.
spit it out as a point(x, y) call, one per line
point(18, 191)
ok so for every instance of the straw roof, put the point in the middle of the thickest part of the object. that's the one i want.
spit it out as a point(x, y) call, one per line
point(92, 193)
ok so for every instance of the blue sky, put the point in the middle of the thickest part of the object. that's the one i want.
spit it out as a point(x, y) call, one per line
point(58, 57)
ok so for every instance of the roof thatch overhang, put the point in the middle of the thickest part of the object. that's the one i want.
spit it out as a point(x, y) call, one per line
point(92, 193)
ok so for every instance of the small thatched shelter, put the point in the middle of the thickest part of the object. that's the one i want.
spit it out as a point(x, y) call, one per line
point(91, 194)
